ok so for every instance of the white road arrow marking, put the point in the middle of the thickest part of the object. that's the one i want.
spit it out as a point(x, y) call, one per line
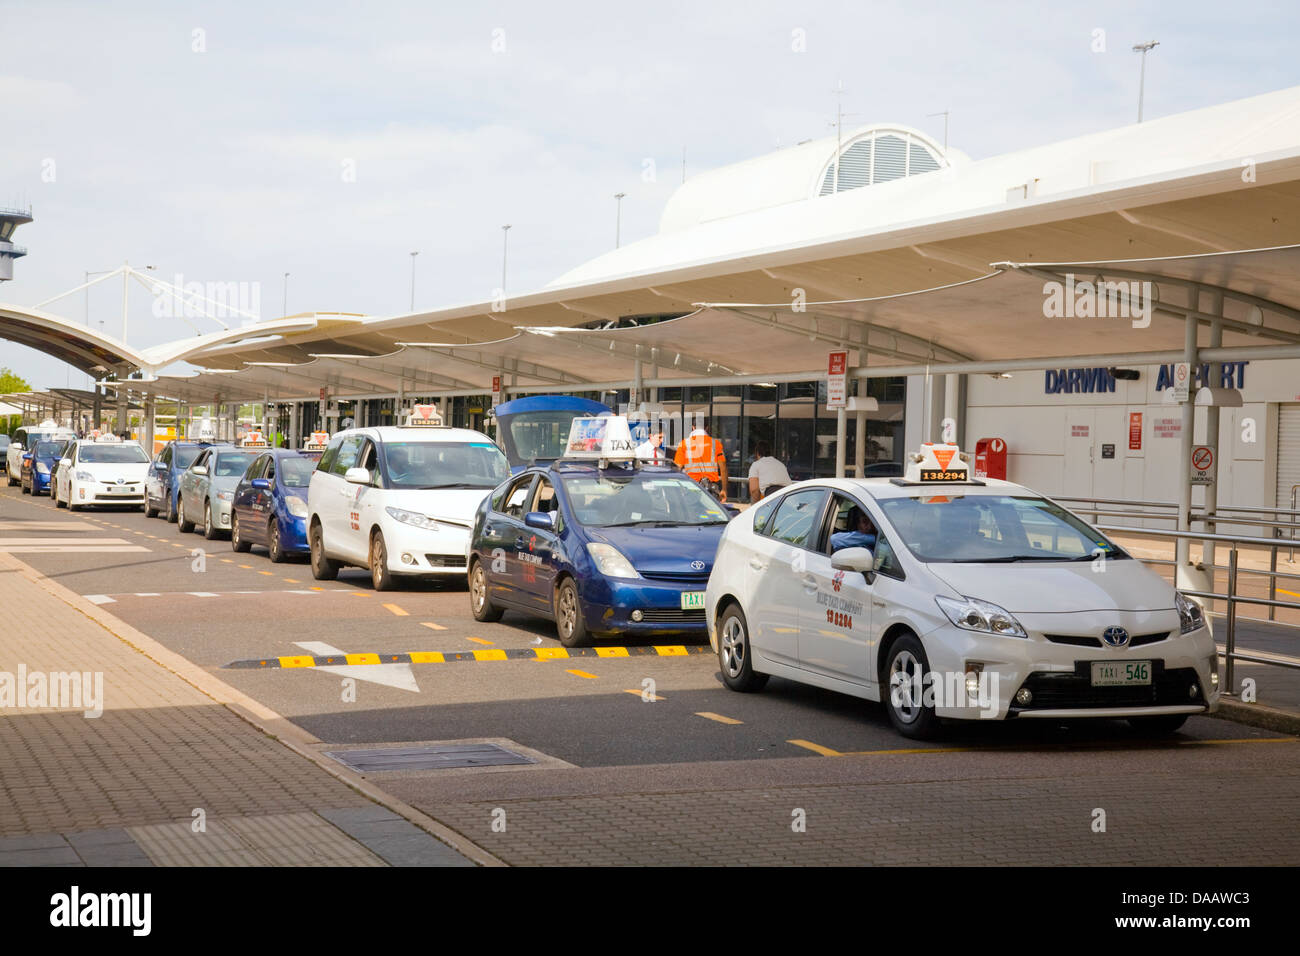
point(390, 675)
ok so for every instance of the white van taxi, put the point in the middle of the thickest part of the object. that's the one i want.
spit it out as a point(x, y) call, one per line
point(103, 471)
point(949, 597)
point(400, 499)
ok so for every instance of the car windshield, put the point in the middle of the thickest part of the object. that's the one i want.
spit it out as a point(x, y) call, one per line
point(50, 449)
point(993, 529)
point(444, 464)
point(295, 472)
point(112, 454)
point(541, 435)
point(231, 464)
point(606, 502)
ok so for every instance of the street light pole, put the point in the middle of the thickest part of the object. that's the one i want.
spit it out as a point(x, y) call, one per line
point(618, 217)
point(285, 309)
point(1144, 49)
point(413, 255)
point(505, 239)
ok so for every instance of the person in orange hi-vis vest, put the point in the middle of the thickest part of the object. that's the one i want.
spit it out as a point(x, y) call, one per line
point(702, 457)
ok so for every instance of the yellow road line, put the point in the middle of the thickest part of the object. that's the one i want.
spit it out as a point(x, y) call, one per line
point(397, 610)
point(493, 655)
point(316, 589)
point(247, 567)
point(709, 715)
point(581, 674)
point(611, 652)
point(431, 626)
point(1285, 591)
point(427, 657)
point(641, 693)
point(816, 748)
point(479, 640)
point(552, 654)
point(267, 573)
point(292, 581)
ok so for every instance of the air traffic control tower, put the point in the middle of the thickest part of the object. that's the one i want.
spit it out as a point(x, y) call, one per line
point(10, 220)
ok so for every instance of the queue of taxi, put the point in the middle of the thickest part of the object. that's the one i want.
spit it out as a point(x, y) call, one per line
point(941, 595)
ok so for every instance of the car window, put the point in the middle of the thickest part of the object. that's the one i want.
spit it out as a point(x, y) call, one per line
point(797, 519)
point(296, 472)
point(763, 514)
point(544, 497)
point(347, 455)
point(663, 499)
point(326, 462)
point(851, 526)
point(166, 456)
point(268, 469)
point(516, 496)
point(886, 560)
point(428, 464)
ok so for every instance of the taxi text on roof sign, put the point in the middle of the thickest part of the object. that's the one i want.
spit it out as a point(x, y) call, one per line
point(603, 437)
point(938, 463)
point(423, 416)
point(108, 437)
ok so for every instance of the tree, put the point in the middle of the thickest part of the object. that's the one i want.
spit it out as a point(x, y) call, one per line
point(9, 382)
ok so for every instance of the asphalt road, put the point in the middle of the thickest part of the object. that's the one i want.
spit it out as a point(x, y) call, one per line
point(615, 718)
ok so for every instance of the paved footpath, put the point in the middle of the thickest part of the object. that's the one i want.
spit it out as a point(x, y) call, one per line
point(173, 772)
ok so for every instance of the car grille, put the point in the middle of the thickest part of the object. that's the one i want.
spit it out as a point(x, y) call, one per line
point(700, 578)
point(1080, 640)
point(1058, 690)
point(670, 615)
point(445, 560)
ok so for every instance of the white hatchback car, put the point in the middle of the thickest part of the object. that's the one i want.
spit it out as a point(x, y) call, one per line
point(106, 471)
point(954, 598)
point(400, 499)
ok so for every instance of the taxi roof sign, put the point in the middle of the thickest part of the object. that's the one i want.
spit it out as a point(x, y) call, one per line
point(108, 438)
point(937, 463)
point(254, 439)
point(317, 441)
point(423, 416)
point(601, 438)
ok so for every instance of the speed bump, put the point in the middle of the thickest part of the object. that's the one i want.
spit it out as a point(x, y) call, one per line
point(454, 657)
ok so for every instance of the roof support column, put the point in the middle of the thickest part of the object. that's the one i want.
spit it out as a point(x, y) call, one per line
point(123, 399)
point(147, 425)
point(634, 400)
point(1212, 435)
point(294, 440)
point(99, 406)
point(841, 414)
point(1182, 548)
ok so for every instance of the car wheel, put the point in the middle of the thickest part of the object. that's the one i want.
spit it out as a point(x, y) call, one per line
point(210, 530)
point(171, 509)
point(734, 655)
point(273, 546)
point(237, 542)
point(380, 576)
point(569, 622)
point(149, 510)
point(1159, 725)
point(904, 693)
point(322, 568)
point(479, 602)
point(10, 479)
point(26, 488)
point(185, 526)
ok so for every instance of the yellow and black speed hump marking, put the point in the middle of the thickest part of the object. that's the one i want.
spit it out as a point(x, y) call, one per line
point(496, 654)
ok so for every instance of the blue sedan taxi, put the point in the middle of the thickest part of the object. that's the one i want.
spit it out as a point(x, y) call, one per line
point(601, 546)
point(270, 504)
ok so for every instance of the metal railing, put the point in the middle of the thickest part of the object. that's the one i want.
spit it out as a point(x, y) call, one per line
point(1230, 597)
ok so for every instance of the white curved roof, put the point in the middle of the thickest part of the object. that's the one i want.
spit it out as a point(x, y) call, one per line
point(788, 175)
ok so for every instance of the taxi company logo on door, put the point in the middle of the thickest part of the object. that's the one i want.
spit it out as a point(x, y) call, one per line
point(947, 689)
point(1098, 299)
point(60, 690)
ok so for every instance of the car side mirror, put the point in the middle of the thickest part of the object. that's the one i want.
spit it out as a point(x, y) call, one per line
point(65, 461)
point(18, 445)
point(357, 476)
point(200, 469)
point(542, 520)
point(159, 466)
point(855, 559)
point(262, 484)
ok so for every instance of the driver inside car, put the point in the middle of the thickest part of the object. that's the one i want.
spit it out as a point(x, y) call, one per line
point(861, 533)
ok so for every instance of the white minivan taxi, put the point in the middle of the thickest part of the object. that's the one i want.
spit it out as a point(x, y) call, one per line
point(950, 597)
point(400, 499)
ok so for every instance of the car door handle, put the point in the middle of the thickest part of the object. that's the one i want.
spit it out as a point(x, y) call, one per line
point(757, 565)
point(877, 603)
point(809, 583)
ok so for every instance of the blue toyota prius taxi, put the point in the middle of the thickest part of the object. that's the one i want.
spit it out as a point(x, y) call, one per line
point(598, 541)
point(270, 503)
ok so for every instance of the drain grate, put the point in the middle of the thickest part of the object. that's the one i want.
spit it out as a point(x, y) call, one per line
point(445, 757)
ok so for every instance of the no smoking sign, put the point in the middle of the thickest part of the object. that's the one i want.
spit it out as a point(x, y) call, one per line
point(1202, 463)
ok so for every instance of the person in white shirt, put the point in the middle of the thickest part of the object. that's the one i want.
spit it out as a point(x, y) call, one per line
point(766, 474)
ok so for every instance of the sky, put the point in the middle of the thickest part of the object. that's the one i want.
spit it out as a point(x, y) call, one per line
point(237, 141)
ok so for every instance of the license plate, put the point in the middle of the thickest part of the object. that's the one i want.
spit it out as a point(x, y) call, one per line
point(693, 601)
point(1121, 673)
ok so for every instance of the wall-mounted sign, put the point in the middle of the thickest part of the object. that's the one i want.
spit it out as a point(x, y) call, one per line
point(1079, 431)
point(1135, 431)
point(496, 390)
point(837, 379)
point(1202, 463)
point(1231, 375)
point(1107, 451)
point(1074, 380)
point(1167, 427)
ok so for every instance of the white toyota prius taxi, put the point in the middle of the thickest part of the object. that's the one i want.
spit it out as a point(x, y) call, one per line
point(400, 499)
point(947, 596)
point(105, 471)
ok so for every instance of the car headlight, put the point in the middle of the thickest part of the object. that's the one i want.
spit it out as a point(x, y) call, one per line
point(411, 518)
point(84, 476)
point(1190, 616)
point(297, 507)
point(972, 614)
point(43, 468)
point(225, 495)
point(610, 561)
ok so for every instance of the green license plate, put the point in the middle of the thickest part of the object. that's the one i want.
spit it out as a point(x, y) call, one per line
point(1121, 673)
point(693, 601)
